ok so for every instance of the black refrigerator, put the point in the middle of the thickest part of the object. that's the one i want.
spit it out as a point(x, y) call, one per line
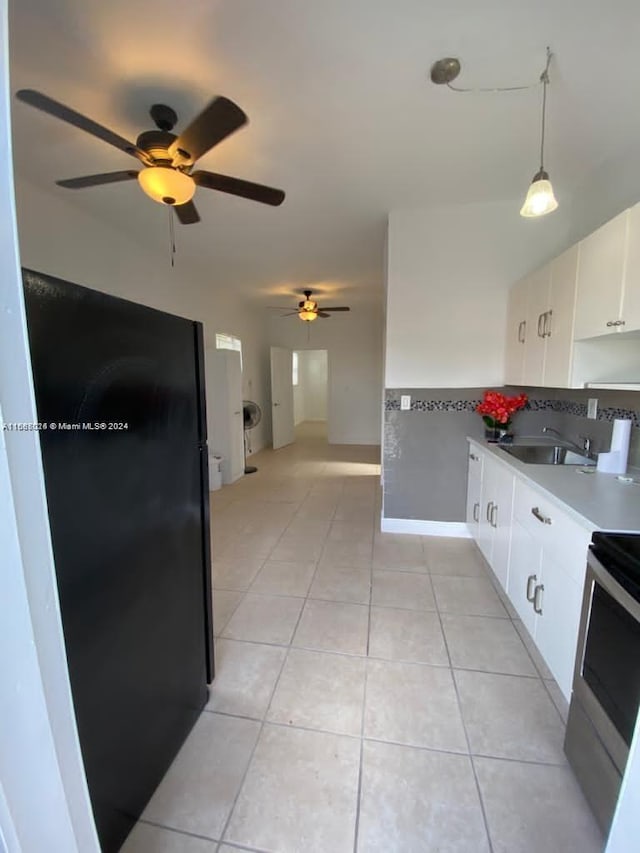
point(120, 399)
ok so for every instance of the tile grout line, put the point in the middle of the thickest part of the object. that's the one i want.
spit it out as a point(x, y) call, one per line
point(264, 721)
point(356, 833)
point(466, 735)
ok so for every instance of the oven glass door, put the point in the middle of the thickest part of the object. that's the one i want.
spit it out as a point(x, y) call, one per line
point(611, 663)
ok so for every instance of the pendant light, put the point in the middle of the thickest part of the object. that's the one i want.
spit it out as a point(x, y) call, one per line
point(540, 199)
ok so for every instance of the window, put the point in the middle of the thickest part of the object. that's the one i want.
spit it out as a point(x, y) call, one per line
point(294, 368)
point(229, 342)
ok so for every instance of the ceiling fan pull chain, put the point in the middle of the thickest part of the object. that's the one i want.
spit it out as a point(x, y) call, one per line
point(172, 235)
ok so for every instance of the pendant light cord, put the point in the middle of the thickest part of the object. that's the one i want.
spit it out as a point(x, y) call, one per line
point(544, 79)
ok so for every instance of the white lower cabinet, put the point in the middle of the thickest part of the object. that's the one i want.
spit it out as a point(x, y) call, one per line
point(558, 600)
point(474, 490)
point(539, 553)
point(496, 507)
point(525, 571)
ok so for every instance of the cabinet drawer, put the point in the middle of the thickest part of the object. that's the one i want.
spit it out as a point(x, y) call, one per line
point(561, 537)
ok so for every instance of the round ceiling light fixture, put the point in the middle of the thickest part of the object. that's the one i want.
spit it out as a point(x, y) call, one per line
point(308, 310)
point(445, 71)
point(167, 185)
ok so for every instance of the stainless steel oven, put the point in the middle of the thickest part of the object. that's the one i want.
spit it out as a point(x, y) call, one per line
point(606, 683)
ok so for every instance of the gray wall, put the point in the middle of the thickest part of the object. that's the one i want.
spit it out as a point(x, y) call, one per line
point(425, 450)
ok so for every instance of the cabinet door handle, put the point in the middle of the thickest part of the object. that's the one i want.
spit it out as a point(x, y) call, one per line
point(521, 331)
point(540, 325)
point(489, 508)
point(476, 511)
point(530, 580)
point(537, 598)
point(542, 518)
point(494, 516)
point(474, 457)
point(547, 325)
point(616, 323)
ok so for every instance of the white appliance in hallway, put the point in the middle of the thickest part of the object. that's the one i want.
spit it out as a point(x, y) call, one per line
point(225, 423)
point(282, 396)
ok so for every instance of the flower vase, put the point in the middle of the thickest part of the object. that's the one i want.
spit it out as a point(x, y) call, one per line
point(501, 434)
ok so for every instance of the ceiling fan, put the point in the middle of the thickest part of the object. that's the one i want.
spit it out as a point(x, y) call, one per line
point(167, 159)
point(309, 310)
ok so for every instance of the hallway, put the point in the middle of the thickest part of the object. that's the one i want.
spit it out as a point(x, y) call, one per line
point(372, 691)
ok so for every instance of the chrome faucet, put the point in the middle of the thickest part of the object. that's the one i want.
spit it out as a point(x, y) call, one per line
point(585, 450)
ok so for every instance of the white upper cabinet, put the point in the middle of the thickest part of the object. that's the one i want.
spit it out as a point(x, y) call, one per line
point(601, 280)
point(537, 319)
point(631, 294)
point(558, 325)
point(591, 291)
point(516, 332)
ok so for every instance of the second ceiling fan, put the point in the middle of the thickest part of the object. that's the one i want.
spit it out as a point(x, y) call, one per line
point(167, 175)
point(309, 310)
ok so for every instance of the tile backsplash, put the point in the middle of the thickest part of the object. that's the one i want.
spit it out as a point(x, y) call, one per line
point(425, 448)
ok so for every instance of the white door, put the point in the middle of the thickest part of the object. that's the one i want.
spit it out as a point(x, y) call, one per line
point(236, 425)
point(281, 397)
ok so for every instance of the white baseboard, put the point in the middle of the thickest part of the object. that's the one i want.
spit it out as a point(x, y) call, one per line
point(455, 529)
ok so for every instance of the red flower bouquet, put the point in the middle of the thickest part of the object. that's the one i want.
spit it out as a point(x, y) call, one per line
point(496, 410)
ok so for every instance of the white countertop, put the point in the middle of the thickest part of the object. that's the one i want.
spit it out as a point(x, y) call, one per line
point(596, 500)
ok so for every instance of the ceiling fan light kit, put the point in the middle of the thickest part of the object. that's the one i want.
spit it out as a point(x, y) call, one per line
point(540, 198)
point(167, 185)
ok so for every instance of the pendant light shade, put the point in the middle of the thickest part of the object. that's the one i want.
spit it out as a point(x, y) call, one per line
point(540, 199)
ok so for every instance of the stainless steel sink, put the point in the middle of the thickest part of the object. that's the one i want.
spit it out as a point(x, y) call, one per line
point(546, 454)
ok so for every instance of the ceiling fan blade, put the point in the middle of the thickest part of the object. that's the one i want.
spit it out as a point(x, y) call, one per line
point(235, 186)
point(187, 213)
point(323, 314)
point(97, 180)
point(64, 113)
point(340, 308)
point(217, 121)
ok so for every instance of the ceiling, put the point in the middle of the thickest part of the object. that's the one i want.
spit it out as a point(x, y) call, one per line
point(342, 116)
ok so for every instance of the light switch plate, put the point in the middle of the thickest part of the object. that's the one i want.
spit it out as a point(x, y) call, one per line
point(405, 402)
point(592, 408)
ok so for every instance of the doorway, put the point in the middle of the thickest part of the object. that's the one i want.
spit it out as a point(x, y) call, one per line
point(310, 382)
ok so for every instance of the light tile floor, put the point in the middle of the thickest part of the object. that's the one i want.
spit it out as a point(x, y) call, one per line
point(373, 691)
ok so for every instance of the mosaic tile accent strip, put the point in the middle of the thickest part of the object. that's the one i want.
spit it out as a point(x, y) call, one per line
point(392, 404)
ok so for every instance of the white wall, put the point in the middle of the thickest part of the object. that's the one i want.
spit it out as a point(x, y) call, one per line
point(354, 345)
point(605, 192)
point(448, 272)
point(44, 802)
point(56, 237)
